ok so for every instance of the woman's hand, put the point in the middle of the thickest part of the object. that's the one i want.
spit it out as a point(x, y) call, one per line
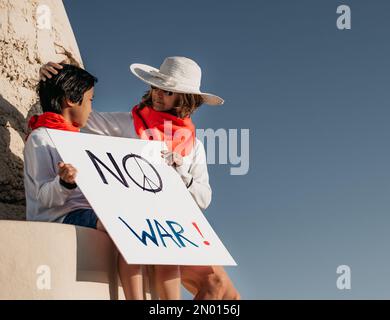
point(172, 158)
point(67, 172)
point(48, 70)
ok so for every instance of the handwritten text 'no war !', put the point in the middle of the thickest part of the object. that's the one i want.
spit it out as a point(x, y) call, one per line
point(156, 232)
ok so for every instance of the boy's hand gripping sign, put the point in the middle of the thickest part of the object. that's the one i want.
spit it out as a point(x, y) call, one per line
point(141, 201)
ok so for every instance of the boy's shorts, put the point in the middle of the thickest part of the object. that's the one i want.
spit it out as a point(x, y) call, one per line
point(82, 217)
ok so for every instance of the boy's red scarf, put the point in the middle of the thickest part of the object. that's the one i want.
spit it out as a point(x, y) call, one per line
point(51, 120)
point(178, 134)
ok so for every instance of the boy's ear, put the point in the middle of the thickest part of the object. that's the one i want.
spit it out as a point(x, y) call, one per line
point(66, 103)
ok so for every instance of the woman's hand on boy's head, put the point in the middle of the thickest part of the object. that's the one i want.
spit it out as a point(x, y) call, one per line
point(172, 158)
point(67, 172)
point(48, 70)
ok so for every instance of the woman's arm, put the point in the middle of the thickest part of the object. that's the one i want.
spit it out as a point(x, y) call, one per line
point(196, 177)
point(116, 124)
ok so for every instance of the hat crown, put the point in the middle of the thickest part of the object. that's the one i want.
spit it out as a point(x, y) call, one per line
point(183, 70)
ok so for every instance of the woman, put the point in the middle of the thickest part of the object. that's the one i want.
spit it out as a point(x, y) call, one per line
point(164, 113)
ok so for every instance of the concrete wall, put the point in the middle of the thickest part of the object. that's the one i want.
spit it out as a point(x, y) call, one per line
point(24, 47)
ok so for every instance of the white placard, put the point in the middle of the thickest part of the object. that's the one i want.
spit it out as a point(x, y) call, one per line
point(141, 201)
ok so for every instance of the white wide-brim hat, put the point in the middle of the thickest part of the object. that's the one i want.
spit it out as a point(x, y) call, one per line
point(176, 74)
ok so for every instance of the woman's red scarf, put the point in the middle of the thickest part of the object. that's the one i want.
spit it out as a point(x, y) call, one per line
point(177, 133)
point(51, 120)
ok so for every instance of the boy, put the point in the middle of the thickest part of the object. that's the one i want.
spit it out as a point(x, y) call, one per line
point(51, 192)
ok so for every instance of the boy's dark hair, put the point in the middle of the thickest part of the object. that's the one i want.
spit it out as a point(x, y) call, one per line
point(71, 83)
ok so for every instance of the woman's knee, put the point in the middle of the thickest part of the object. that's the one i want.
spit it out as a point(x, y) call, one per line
point(216, 283)
point(232, 295)
point(219, 285)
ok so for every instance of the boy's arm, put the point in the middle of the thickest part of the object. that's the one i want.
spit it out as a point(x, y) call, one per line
point(196, 177)
point(42, 179)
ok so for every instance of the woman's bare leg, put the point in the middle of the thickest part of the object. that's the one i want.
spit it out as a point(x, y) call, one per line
point(130, 275)
point(168, 282)
point(131, 278)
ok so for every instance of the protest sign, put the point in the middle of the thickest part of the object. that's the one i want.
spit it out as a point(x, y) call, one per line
point(141, 201)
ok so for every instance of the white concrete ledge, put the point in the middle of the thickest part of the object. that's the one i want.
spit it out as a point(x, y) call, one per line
point(77, 262)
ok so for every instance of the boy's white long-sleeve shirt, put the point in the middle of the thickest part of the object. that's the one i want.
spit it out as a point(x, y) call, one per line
point(48, 200)
point(193, 171)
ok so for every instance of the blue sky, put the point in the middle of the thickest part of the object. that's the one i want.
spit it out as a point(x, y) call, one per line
point(315, 100)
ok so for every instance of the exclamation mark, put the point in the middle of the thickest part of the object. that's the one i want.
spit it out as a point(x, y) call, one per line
point(197, 228)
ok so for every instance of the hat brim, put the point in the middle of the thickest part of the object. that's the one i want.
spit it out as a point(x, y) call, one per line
point(143, 72)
